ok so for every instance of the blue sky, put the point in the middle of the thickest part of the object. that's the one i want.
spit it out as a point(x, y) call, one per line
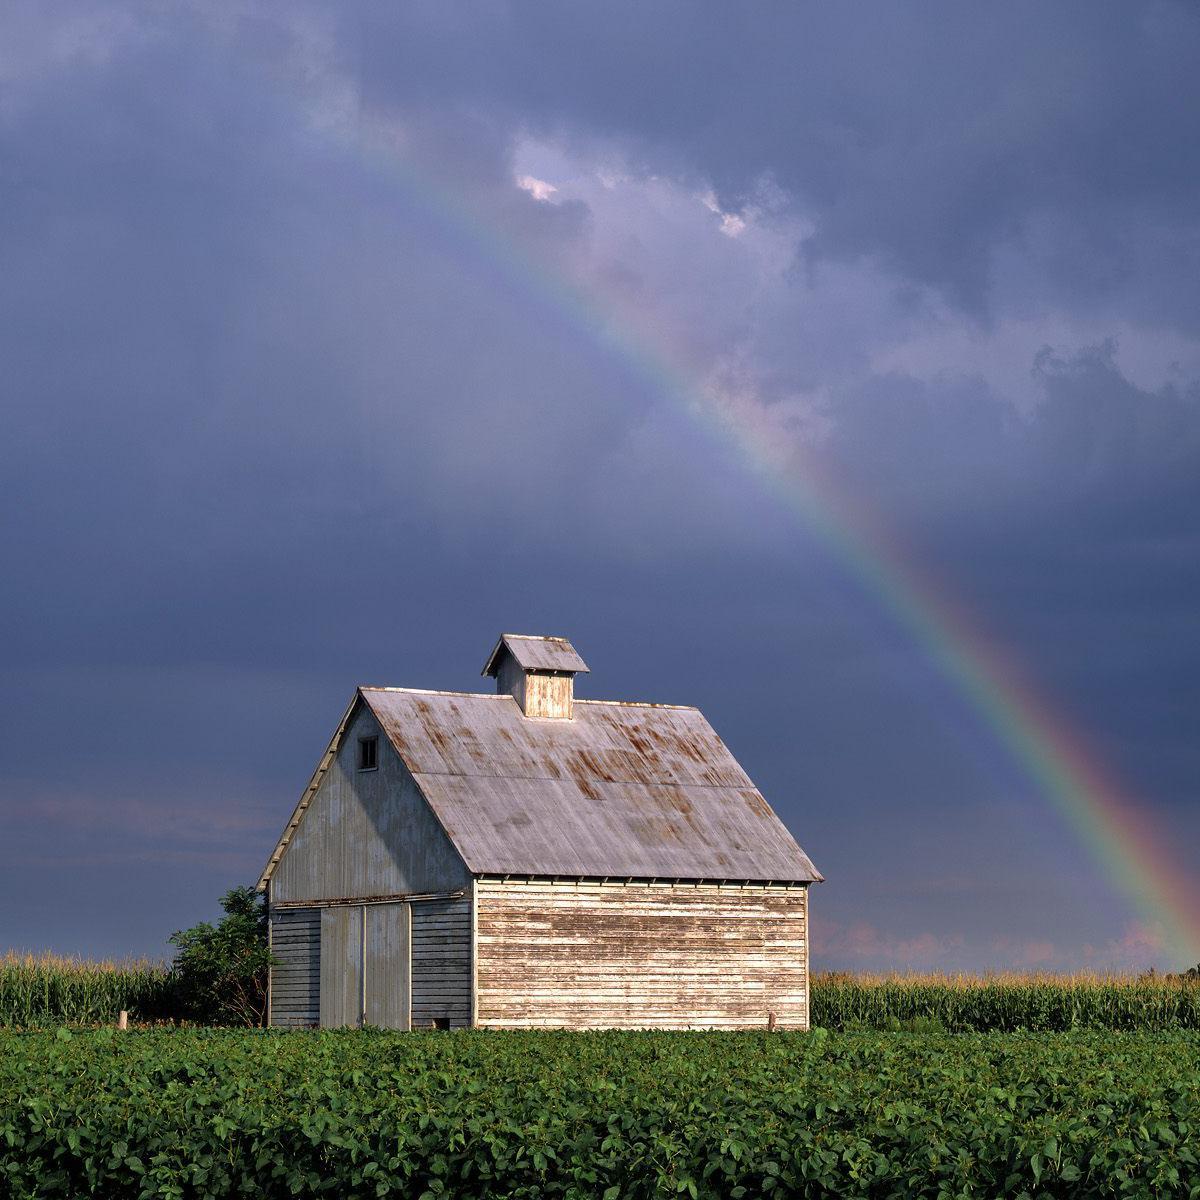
point(292, 401)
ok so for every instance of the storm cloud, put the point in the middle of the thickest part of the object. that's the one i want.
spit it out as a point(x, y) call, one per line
point(336, 339)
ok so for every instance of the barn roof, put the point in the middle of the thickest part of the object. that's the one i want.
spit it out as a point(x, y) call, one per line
point(535, 654)
point(629, 790)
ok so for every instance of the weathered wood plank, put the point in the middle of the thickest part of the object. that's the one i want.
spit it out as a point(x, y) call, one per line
point(594, 955)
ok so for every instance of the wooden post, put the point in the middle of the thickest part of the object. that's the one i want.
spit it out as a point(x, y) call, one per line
point(123, 1019)
point(770, 1022)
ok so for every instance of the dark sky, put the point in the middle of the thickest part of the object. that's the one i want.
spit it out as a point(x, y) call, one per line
point(316, 328)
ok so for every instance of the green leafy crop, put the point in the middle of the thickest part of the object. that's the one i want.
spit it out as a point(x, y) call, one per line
point(602, 1116)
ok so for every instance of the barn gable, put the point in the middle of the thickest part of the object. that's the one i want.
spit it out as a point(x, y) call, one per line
point(362, 832)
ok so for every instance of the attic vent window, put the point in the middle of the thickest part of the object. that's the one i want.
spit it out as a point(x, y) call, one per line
point(368, 754)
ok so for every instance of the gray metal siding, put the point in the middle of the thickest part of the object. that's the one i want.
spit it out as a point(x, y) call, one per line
point(341, 967)
point(388, 989)
point(296, 973)
point(441, 962)
point(366, 833)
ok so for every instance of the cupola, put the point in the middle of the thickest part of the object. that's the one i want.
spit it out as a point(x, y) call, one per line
point(538, 672)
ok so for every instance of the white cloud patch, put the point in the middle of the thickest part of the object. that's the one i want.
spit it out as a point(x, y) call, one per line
point(731, 223)
point(539, 189)
point(749, 315)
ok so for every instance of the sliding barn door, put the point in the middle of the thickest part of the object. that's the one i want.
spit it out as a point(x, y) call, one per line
point(341, 966)
point(365, 973)
point(389, 988)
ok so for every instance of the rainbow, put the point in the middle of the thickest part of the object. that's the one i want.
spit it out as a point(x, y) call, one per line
point(1041, 741)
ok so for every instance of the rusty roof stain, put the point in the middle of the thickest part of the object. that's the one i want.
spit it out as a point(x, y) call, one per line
point(621, 790)
point(536, 654)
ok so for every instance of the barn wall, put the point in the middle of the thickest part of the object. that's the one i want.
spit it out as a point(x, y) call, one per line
point(674, 956)
point(296, 973)
point(441, 962)
point(366, 833)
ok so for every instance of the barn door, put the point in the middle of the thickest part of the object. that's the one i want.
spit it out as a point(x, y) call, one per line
point(389, 989)
point(365, 966)
point(341, 966)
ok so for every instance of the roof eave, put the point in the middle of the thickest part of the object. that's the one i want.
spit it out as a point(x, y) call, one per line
point(490, 667)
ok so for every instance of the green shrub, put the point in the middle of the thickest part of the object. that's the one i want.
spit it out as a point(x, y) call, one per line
point(221, 970)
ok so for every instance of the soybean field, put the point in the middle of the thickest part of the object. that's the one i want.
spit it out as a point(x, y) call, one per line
point(216, 1113)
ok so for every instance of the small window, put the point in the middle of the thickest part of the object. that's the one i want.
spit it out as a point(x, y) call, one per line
point(368, 754)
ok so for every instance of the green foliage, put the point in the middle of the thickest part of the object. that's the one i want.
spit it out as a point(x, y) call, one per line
point(39, 990)
point(221, 970)
point(208, 1113)
point(219, 977)
point(914, 1025)
point(1006, 1003)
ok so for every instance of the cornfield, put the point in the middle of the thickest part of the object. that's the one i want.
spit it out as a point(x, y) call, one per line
point(41, 990)
point(1006, 1003)
point(47, 989)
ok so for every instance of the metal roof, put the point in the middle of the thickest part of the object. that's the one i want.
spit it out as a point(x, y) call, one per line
point(637, 790)
point(536, 654)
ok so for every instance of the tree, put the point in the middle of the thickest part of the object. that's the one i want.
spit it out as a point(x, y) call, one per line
point(221, 970)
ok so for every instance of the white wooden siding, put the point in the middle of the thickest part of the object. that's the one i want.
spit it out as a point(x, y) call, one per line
point(538, 694)
point(659, 955)
point(548, 696)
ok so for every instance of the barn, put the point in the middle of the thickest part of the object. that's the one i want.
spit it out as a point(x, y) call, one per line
point(527, 858)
